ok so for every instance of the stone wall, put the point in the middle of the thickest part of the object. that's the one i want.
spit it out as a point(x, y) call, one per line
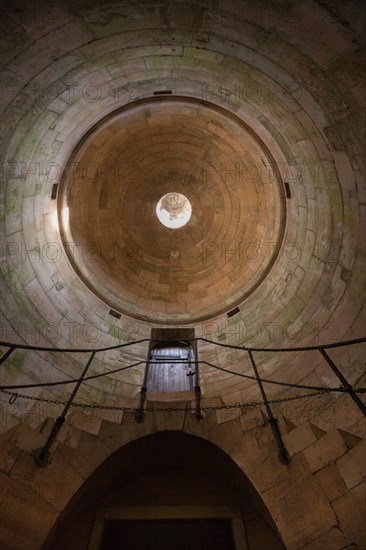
point(292, 72)
point(315, 502)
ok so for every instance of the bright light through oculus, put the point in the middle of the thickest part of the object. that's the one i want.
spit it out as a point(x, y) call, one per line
point(174, 210)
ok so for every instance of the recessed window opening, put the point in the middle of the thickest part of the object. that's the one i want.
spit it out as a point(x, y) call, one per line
point(54, 191)
point(171, 367)
point(233, 312)
point(287, 189)
point(163, 92)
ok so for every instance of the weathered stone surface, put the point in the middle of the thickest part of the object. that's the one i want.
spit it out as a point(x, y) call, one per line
point(334, 539)
point(26, 515)
point(301, 437)
point(86, 422)
point(259, 535)
point(4, 484)
point(331, 482)
point(352, 466)
point(27, 439)
point(328, 449)
point(112, 437)
point(292, 494)
point(170, 421)
point(111, 416)
point(253, 419)
point(23, 470)
point(8, 455)
point(57, 482)
point(303, 512)
point(351, 513)
point(292, 72)
point(225, 415)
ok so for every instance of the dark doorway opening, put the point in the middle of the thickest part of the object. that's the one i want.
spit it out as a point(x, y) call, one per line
point(187, 534)
point(168, 476)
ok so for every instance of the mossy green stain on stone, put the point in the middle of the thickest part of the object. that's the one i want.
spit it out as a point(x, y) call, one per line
point(13, 197)
point(14, 364)
point(114, 331)
point(337, 205)
point(11, 278)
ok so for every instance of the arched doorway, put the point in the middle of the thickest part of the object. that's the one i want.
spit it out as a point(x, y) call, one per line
point(172, 485)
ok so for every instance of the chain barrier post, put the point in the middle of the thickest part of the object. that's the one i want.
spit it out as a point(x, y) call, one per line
point(348, 387)
point(283, 453)
point(139, 414)
point(42, 456)
point(197, 387)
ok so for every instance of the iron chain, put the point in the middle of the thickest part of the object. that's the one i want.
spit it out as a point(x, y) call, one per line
point(14, 396)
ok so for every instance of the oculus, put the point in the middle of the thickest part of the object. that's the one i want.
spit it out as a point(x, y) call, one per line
point(174, 210)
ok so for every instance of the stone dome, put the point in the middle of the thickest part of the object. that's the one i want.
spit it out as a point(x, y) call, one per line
point(253, 111)
point(172, 147)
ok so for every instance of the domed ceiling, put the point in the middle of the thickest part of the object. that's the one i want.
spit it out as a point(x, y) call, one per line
point(108, 209)
point(262, 95)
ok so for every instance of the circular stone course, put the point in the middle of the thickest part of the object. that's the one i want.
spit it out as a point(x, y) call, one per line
point(171, 214)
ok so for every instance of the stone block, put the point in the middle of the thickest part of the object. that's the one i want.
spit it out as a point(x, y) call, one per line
point(274, 481)
point(4, 484)
point(113, 436)
point(285, 424)
point(227, 435)
point(85, 422)
point(253, 418)
point(68, 435)
point(9, 433)
point(360, 491)
point(333, 539)
point(331, 482)
point(260, 535)
point(8, 456)
point(23, 470)
point(58, 482)
point(170, 420)
point(81, 461)
point(133, 430)
point(25, 517)
point(303, 514)
point(200, 427)
point(47, 427)
point(27, 439)
point(170, 397)
point(298, 439)
point(351, 515)
point(72, 437)
point(350, 439)
point(225, 415)
point(111, 415)
point(327, 449)
point(352, 466)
